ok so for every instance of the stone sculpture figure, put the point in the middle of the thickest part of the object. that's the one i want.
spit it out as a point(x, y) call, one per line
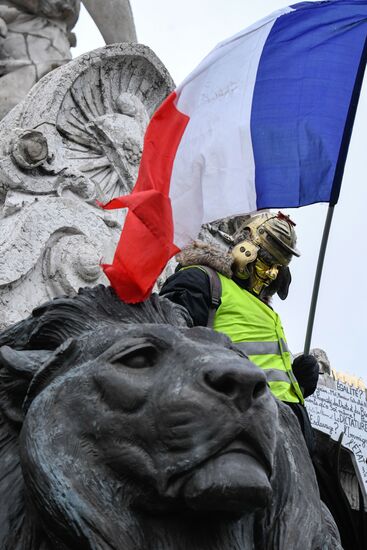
point(115, 21)
point(76, 138)
point(123, 428)
point(35, 38)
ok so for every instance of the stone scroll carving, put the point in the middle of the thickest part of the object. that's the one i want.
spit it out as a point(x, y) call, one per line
point(75, 139)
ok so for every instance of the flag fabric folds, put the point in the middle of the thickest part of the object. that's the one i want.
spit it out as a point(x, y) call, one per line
point(263, 122)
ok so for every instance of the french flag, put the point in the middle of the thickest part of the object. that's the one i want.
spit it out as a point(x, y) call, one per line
point(264, 121)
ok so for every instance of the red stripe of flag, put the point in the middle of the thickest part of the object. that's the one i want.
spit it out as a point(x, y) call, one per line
point(146, 242)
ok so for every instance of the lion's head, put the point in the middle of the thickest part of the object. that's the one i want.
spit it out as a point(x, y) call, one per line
point(129, 423)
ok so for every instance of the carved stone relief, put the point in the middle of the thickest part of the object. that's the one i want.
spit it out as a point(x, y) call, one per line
point(75, 139)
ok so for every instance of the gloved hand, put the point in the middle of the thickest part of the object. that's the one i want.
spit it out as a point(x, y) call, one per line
point(306, 370)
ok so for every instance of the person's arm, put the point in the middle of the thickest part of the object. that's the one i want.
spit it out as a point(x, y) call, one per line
point(190, 288)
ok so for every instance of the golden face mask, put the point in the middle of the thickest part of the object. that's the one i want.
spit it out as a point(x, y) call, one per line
point(263, 275)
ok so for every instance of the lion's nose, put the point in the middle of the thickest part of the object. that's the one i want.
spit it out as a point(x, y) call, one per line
point(244, 384)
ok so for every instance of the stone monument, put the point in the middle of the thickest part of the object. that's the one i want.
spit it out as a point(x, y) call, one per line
point(75, 139)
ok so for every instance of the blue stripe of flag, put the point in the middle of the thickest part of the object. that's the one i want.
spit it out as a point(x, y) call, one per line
point(302, 96)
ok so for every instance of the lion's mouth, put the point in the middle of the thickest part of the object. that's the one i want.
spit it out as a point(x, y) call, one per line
point(248, 448)
point(233, 479)
point(242, 445)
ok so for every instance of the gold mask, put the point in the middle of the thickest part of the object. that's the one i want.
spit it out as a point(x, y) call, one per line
point(263, 275)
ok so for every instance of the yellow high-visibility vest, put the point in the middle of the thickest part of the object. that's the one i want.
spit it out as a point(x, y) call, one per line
point(257, 331)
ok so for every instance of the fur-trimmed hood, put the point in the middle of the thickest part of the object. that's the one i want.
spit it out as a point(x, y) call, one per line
point(211, 255)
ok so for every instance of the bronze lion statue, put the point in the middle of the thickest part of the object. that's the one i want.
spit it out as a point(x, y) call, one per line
point(122, 428)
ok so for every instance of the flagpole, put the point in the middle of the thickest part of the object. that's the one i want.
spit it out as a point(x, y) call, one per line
point(316, 284)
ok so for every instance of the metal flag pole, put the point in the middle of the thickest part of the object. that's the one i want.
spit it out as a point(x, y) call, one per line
point(316, 284)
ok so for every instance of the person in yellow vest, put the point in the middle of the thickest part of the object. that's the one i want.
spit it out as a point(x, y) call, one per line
point(231, 291)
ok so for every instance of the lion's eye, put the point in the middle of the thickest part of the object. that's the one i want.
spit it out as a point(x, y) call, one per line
point(138, 358)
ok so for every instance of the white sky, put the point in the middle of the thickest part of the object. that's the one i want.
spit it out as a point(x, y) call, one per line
point(181, 34)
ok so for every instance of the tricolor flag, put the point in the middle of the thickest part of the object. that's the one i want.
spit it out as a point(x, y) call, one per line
point(264, 121)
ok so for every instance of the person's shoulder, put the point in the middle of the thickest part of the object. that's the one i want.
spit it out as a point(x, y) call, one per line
point(190, 287)
point(191, 275)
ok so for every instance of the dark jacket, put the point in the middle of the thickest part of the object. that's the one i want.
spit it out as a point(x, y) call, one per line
point(190, 288)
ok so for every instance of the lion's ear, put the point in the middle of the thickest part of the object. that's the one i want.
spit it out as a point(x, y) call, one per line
point(56, 362)
point(17, 369)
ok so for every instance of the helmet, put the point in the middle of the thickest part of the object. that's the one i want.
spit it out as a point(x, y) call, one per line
point(274, 233)
point(268, 241)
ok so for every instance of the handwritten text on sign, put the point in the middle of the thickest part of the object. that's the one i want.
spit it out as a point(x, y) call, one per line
point(343, 409)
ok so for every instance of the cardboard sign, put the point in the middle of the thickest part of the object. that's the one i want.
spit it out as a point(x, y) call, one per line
point(343, 409)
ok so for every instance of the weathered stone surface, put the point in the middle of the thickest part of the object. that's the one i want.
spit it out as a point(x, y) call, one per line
point(76, 138)
point(323, 360)
point(35, 38)
point(126, 429)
